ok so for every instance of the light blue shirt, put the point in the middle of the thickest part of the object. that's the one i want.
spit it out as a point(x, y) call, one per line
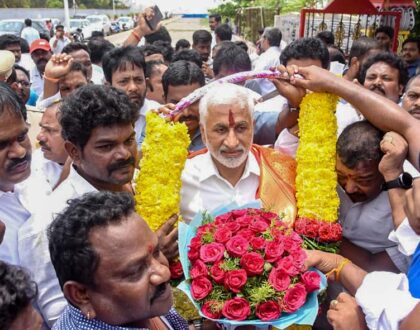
point(29, 34)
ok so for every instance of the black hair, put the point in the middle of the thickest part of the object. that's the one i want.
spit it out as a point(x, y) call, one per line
point(77, 66)
point(201, 37)
point(59, 26)
point(98, 47)
point(223, 32)
point(415, 40)
point(12, 78)
point(216, 17)
point(150, 66)
point(28, 22)
point(388, 30)
point(74, 47)
point(336, 54)
point(182, 43)
point(150, 50)
point(97, 34)
point(182, 73)
point(10, 101)
point(72, 254)
point(306, 48)
point(21, 68)
point(241, 44)
point(188, 55)
point(167, 49)
point(17, 291)
point(233, 58)
point(7, 40)
point(119, 58)
point(389, 58)
point(24, 46)
point(362, 46)
point(92, 106)
point(327, 37)
point(273, 36)
point(416, 76)
point(359, 141)
point(161, 34)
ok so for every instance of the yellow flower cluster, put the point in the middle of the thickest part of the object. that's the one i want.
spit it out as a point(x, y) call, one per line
point(165, 150)
point(316, 177)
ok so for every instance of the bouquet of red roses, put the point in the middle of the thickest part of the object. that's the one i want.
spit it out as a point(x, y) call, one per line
point(249, 265)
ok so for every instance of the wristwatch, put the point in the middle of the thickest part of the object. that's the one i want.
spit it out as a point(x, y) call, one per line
point(404, 181)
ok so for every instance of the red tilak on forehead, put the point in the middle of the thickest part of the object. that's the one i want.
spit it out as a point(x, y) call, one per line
point(231, 119)
point(150, 248)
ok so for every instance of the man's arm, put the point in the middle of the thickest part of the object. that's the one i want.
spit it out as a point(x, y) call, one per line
point(381, 112)
point(57, 67)
point(364, 259)
point(142, 29)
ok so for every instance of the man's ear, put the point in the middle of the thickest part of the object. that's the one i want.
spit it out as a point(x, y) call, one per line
point(401, 90)
point(148, 84)
point(73, 151)
point(203, 134)
point(78, 295)
point(107, 83)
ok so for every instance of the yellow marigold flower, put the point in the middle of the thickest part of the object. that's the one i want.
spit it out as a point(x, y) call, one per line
point(316, 178)
point(158, 186)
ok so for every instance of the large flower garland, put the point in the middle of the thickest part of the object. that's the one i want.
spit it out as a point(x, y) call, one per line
point(158, 186)
point(316, 177)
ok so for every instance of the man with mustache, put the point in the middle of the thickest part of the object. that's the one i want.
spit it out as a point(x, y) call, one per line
point(40, 53)
point(15, 167)
point(232, 169)
point(98, 130)
point(124, 68)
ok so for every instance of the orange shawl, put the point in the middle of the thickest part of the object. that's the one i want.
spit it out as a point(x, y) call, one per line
point(277, 181)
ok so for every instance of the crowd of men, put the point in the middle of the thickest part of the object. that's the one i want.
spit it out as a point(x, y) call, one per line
point(74, 253)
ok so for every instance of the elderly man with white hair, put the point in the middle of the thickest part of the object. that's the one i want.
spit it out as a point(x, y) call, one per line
point(232, 169)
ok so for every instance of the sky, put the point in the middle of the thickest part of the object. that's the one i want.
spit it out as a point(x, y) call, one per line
point(183, 6)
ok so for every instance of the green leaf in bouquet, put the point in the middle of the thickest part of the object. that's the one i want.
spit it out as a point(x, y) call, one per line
point(184, 306)
point(219, 293)
point(230, 264)
point(262, 293)
point(207, 218)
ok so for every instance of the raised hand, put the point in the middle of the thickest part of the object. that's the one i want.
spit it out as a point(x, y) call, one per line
point(395, 149)
point(294, 94)
point(58, 66)
point(168, 238)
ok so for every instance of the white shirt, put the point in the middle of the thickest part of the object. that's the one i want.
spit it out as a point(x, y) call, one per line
point(98, 77)
point(368, 225)
point(29, 34)
point(346, 115)
point(33, 245)
point(141, 122)
point(37, 81)
point(13, 214)
point(268, 59)
point(26, 62)
point(385, 300)
point(61, 43)
point(46, 170)
point(408, 167)
point(203, 189)
point(406, 238)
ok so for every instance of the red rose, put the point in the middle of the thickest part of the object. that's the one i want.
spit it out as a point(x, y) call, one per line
point(237, 246)
point(235, 280)
point(312, 229)
point(195, 242)
point(237, 309)
point(193, 254)
point(244, 220)
point(292, 242)
point(268, 311)
point(212, 252)
point(269, 216)
point(311, 280)
point(239, 213)
point(199, 269)
point(207, 228)
point(294, 298)
point(233, 226)
point(278, 279)
point(273, 251)
point(212, 309)
point(257, 243)
point(200, 288)
point(336, 232)
point(253, 263)
point(246, 233)
point(222, 235)
point(259, 226)
point(224, 218)
point(175, 268)
point(217, 273)
point(287, 265)
point(299, 257)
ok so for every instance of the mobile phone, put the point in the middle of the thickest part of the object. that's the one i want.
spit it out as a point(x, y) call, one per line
point(154, 21)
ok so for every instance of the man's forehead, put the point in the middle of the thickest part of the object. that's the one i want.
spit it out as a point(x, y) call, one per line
point(128, 68)
point(414, 85)
point(362, 167)
point(79, 54)
point(229, 112)
point(382, 67)
point(410, 45)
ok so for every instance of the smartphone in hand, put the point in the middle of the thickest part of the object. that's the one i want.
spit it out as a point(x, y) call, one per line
point(154, 21)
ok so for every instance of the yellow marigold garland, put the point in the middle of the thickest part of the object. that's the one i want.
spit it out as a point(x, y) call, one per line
point(316, 177)
point(158, 186)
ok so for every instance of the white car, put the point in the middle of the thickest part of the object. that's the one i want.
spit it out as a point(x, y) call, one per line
point(100, 23)
point(125, 23)
point(82, 24)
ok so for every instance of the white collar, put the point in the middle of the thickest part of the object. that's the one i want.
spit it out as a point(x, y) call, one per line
point(209, 168)
point(80, 184)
